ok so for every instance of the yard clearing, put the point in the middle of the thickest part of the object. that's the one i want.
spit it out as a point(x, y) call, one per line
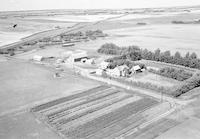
point(147, 77)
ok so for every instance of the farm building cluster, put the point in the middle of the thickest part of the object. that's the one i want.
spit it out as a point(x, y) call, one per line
point(118, 71)
point(69, 57)
point(68, 40)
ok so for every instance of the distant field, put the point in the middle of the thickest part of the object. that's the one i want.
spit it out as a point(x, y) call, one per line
point(23, 83)
point(183, 38)
point(189, 129)
point(25, 27)
point(165, 37)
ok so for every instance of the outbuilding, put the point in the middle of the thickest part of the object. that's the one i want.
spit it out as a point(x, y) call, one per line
point(99, 72)
point(38, 58)
point(77, 56)
point(103, 65)
point(136, 69)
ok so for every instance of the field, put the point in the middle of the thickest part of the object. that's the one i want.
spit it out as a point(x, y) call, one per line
point(24, 83)
point(24, 126)
point(101, 112)
point(189, 129)
point(35, 104)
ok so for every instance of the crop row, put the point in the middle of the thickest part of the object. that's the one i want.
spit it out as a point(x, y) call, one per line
point(86, 105)
point(153, 131)
point(73, 104)
point(68, 111)
point(108, 119)
point(64, 99)
point(92, 108)
point(91, 116)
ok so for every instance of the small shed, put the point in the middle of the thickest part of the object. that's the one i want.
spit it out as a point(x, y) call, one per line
point(99, 72)
point(68, 44)
point(38, 58)
point(136, 69)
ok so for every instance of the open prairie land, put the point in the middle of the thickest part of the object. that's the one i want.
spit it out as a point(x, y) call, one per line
point(24, 83)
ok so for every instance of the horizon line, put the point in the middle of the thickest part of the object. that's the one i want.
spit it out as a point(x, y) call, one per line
point(166, 7)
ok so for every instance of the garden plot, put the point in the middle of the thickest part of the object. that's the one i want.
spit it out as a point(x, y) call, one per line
point(147, 77)
point(99, 110)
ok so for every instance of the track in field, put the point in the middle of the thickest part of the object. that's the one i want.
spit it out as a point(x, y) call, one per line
point(97, 113)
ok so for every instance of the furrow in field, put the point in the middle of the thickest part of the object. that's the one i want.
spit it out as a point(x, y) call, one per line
point(77, 101)
point(89, 105)
point(91, 116)
point(132, 129)
point(115, 127)
point(91, 108)
point(111, 123)
point(56, 113)
point(152, 131)
point(64, 99)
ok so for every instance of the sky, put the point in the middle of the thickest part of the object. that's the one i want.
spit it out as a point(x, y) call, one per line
point(15, 5)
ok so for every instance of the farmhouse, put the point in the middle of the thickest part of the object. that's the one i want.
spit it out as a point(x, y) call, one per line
point(118, 71)
point(123, 69)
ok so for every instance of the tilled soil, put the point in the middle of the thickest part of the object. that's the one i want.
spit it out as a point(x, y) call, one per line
point(101, 112)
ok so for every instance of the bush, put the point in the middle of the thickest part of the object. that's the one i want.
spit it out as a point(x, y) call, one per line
point(109, 48)
point(188, 85)
point(132, 53)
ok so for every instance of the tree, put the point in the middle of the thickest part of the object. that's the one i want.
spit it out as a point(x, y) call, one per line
point(167, 53)
point(133, 56)
point(193, 55)
point(187, 55)
point(157, 54)
point(177, 55)
point(145, 54)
